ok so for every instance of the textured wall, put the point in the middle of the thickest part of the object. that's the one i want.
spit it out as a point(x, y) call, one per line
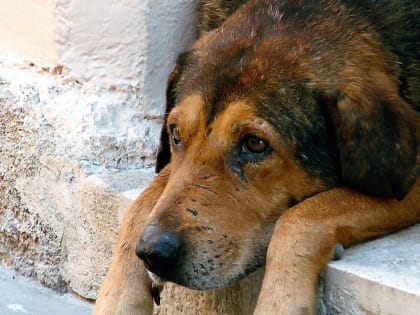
point(75, 136)
point(127, 45)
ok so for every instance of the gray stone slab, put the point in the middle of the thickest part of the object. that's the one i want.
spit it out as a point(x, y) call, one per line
point(20, 296)
point(381, 277)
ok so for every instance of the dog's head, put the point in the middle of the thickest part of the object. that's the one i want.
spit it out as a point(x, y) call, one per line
point(258, 121)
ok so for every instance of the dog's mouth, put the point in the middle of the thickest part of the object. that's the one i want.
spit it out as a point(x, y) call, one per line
point(203, 272)
point(202, 260)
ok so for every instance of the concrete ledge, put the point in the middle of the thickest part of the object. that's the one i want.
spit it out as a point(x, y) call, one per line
point(377, 278)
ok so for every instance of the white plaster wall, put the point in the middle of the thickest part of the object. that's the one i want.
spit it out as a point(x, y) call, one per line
point(127, 45)
point(121, 53)
point(81, 106)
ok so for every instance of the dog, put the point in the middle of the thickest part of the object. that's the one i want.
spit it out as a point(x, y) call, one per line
point(291, 127)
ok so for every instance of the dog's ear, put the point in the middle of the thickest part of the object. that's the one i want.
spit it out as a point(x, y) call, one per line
point(164, 151)
point(378, 138)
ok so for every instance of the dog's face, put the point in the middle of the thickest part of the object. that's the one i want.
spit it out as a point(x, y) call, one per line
point(250, 132)
point(230, 179)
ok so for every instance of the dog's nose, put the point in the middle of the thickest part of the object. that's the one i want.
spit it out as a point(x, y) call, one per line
point(159, 251)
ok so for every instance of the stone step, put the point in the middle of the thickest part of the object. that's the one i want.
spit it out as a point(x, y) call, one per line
point(381, 277)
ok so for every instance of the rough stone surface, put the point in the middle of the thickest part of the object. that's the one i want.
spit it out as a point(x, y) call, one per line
point(67, 154)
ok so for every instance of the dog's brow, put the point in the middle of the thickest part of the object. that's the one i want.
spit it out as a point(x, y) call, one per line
point(188, 113)
point(236, 112)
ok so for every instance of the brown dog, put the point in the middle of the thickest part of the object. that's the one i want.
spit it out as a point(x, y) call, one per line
point(276, 117)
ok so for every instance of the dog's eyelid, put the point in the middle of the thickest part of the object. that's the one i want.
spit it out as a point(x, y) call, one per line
point(173, 119)
point(171, 127)
point(175, 135)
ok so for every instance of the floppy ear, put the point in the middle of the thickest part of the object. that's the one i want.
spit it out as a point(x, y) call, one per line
point(378, 138)
point(164, 151)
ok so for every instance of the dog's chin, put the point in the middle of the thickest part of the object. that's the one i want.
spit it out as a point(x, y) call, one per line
point(201, 282)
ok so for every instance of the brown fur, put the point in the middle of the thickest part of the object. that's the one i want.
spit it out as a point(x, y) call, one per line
point(330, 93)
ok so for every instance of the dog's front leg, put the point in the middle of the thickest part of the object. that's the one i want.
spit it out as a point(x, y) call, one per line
point(126, 288)
point(305, 237)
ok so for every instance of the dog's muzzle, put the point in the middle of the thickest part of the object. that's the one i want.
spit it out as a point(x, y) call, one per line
point(160, 251)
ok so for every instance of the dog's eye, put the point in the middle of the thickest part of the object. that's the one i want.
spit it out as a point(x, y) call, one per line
point(253, 144)
point(176, 135)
